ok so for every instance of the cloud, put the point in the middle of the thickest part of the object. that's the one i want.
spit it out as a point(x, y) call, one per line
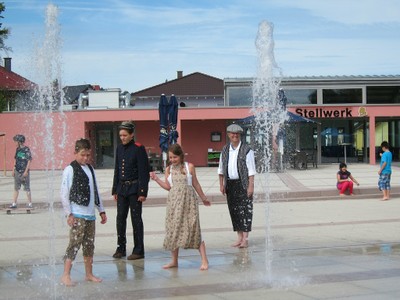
point(349, 11)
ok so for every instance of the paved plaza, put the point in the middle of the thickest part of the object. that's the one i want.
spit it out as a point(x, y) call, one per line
point(306, 243)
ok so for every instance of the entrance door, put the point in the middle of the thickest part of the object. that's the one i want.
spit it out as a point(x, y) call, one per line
point(105, 145)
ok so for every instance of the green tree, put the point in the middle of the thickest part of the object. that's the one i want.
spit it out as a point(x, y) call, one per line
point(4, 31)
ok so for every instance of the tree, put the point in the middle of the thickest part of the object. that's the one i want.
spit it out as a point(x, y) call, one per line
point(4, 32)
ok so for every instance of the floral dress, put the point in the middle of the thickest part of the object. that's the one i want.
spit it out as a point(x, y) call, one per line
point(182, 223)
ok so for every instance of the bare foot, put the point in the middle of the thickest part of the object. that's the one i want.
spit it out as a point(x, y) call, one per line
point(244, 244)
point(93, 278)
point(204, 266)
point(237, 244)
point(341, 195)
point(384, 199)
point(351, 194)
point(66, 280)
point(170, 265)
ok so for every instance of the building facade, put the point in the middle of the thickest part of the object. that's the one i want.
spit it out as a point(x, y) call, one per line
point(354, 115)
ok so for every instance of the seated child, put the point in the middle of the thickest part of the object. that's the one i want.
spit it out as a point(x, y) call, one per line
point(345, 180)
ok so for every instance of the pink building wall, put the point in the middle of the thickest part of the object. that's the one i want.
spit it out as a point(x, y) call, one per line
point(195, 126)
point(67, 127)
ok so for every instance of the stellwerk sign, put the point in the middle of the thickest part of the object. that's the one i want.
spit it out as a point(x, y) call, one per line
point(329, 113)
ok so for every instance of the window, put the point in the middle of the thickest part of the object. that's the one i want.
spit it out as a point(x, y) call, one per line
point(239, 96)
point(383, 94)
point(301, 96)
point(342, 96)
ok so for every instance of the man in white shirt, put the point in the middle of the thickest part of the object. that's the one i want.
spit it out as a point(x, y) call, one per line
point(236, 180)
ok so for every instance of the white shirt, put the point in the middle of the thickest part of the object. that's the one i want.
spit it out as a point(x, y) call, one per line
point(71, 207)
point(188, 176)
point(232, 163)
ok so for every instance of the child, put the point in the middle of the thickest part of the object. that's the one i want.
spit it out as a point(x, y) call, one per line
point(22, 162)
point(79, 197)
point(385, 171)
point(345, 180)
point(182, 222)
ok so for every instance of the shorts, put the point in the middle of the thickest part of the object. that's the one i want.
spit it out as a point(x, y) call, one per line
point(81, 234)
point(384, 182)
point(19, 180)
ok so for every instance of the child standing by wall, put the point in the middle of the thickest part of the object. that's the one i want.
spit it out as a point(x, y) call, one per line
point(80, 197)
point(182, 222)
point(385, 171)
point(22, 162)
point(345, 180)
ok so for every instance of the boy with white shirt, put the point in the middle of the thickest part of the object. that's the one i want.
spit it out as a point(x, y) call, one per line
point(80, 198)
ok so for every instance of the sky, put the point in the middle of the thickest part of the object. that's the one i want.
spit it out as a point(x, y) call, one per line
point(133, 45)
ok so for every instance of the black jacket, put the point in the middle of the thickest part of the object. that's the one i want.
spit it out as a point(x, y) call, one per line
point(131, 172)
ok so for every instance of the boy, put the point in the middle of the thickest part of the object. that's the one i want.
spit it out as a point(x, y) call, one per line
point(80, 197)
point(22, 162)
point(385, 171)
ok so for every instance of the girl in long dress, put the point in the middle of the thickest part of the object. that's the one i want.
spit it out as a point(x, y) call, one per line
point(182, 224)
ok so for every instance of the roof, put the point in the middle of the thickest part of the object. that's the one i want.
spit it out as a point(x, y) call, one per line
point(194, 84)
point(13, 82)
point(323, 80)
point(71, 93)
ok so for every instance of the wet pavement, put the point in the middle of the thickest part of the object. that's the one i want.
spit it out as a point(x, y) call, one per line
point(319, 246)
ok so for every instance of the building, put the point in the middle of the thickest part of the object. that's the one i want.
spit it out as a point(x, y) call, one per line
point(15, 89)
point(354, 114)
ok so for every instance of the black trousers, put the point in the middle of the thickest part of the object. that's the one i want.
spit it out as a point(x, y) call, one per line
point(124, 204)
point(240, 206)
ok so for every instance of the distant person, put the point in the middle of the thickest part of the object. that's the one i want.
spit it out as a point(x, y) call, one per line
point(182, 223)
point(130, 187)
point(236, 180)
point(345, 180)
point(385, 171)
point(80, 197)
point(22, 163)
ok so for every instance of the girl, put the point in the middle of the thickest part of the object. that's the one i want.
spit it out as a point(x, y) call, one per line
point(182, 222)
point(345, 180)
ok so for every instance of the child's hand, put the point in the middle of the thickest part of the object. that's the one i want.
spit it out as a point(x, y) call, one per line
point(153, 175)
point(71, 220)
point(103, 218)
point(206, 202)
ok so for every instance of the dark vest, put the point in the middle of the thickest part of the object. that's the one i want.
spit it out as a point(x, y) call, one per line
point(80, 189)
point(241, 163)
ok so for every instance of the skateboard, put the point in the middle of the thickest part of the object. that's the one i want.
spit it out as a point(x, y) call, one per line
point(28, 210)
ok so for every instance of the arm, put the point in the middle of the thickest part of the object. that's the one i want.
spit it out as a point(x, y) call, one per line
point(221, 176)
point(143, 173)
point(250, 189)
point(100, 207)
point(116, 176)
point(66, 184)
point(354, 180)
point(251, 167)
point(197, 186)
point(164, 184)
point(382, 167)
point(338, 178)
point(13, 171)
point(27, 168)
point(221, 184)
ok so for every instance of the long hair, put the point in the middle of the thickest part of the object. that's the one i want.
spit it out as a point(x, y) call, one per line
point(177, 150)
